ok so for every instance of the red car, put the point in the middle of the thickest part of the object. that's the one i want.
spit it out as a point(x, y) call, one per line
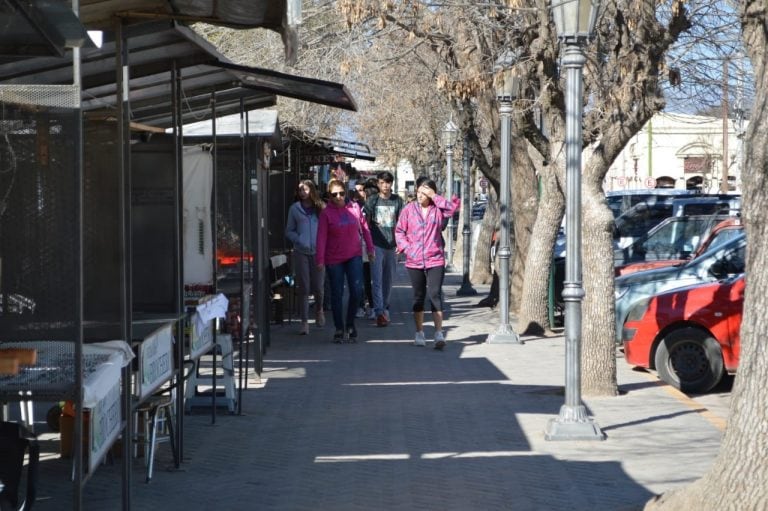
point(690, 336)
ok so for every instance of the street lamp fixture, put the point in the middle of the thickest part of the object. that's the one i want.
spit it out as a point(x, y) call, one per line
point(575, 23)
point(449, 134)
point(575, 19)
point(507, 84)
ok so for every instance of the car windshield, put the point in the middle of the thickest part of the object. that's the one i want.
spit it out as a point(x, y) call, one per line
point(732, 252)
point(640, 219)
point(723, 237)
point(675, 238)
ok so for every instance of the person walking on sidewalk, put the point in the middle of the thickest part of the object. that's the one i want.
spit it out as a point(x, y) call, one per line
point(383, 209)
point(359, 195)
point(419, 237)
point(341, 227)
point(301, 231)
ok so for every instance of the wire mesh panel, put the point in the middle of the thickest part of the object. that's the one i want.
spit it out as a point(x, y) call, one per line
point(230, 231)
point(39, 151)
point(154, 225)
point(102, 246)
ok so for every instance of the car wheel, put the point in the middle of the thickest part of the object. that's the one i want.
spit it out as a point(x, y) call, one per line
point(690, 359)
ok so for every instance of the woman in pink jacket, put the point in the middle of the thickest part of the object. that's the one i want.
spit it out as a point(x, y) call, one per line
point(340, 228)
point(419, 235)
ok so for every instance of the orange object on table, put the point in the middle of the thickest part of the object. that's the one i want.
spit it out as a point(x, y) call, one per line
point(25, 356)
point(9, 365)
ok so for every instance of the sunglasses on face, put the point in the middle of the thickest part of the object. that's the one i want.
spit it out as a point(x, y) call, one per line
point(338, 194)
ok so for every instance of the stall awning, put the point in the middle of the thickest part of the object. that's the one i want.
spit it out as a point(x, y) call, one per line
point(347, 148)
point(49, 27)
point(41, 28)
point(282, 16)
point(154, 50)
point(261, 123)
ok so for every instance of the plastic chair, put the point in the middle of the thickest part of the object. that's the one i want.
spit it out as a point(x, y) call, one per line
point(15, 441)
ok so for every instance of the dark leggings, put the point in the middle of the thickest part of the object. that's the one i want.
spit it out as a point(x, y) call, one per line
point(423, 281)
point(367, 285)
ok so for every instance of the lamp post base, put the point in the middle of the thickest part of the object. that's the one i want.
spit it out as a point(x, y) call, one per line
point(573, 424)
point(504, 335)
point(466, 288)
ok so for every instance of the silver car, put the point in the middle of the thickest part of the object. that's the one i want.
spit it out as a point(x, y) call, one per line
point(717, 263)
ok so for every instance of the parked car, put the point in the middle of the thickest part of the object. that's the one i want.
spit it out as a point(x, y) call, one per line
point(717, 263)
point(644, 216)
point(639, 220)
point(690, 336)
point(621, 201)
point(652, 251)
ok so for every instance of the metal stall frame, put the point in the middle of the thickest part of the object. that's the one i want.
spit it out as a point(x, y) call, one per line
point(115, 98)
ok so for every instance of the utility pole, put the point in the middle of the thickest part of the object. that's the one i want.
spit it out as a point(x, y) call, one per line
point(724, 173)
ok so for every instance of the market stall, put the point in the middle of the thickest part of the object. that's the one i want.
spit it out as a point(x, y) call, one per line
point(90, 236)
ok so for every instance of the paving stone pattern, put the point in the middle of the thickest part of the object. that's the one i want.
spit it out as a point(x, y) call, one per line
point(384, 425)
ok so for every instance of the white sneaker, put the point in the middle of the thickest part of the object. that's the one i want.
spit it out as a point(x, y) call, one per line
point(439, 340)
point(360, 313)
point(420, 340)
point(371, 314)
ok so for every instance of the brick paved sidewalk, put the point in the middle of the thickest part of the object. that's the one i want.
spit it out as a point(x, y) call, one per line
point(382, 425)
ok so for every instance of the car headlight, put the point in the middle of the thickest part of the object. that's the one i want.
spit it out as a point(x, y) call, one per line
point(637, 311)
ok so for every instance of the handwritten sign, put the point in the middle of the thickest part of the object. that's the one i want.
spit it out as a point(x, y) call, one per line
point(105, 425)
point(155, 360)
point(200, 339)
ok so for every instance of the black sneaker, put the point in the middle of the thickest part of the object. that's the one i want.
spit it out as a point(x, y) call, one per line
point(338, 337)
point(352, 334)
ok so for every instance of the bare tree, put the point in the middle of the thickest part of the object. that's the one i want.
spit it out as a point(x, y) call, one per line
point(739, 476)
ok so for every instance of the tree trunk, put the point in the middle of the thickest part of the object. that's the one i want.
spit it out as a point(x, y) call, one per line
point(598, 355)
point(533, 315)
point(481, 267)
point(524, 203)
point(739, 476)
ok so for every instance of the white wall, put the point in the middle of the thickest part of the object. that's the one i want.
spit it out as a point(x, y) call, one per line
point(661, 148)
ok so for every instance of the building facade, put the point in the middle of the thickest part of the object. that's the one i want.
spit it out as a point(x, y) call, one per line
point(681, 151)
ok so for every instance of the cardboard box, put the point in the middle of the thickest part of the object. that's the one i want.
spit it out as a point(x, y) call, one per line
point(67, 429)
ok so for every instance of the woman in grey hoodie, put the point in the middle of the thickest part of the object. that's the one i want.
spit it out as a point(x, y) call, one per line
point(301, 231)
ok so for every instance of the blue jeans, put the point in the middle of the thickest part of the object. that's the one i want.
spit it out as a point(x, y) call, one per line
point(382, 270)
point(352, 270)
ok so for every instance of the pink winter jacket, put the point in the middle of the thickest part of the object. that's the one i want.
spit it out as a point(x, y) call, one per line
point(338, 234)
point(420, 238)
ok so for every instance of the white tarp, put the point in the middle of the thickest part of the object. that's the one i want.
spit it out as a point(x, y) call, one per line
point(197, 229)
